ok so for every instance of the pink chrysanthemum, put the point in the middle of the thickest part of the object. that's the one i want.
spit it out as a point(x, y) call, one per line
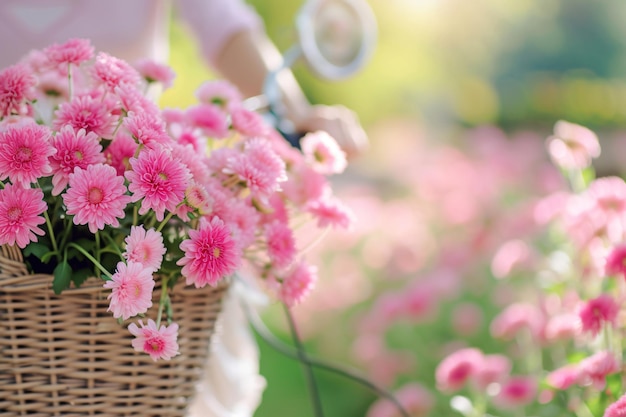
point(112, 71)
point(119, 152)
point(147, 129)
point(564, 377)
point(194, 160)
point(219, 92)
point(131, 290)
point(73, 149)
point(298, 283)
point(281, 245)
point(515, 318)
point(595, 369)
point(595, 312)
point(21, 212)
point(616, 261)
point(153, 71)
point(573, 146)
point(209, 118)
point(17, 84)
point(331, 212)
point(323, 153)
point(247, 122)
point(74, 51)
point(617, 409)
point(414, 398)
point(305, 185)
point(96, 196)
point(158, 180)
point(145, 247)
point(493, 368)
point(24, 153)
point(563, 326)
point(456, 369)
point(132, 100)
point(85, 112)
point(211, 253)
point(518, 391)
point(159, 343)
point(241, 217)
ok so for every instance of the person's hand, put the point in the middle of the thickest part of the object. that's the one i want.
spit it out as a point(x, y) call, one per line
point(339, 122)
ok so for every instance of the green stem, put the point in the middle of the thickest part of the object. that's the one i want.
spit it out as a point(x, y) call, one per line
point(164, 222)
point(162, 300)
point(308, 370)
point(91, 258)
point(52, 236)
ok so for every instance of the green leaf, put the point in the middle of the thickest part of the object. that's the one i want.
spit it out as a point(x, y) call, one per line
point(62, 277)
point(37, 249)
point(46, 257)
point(81, 276)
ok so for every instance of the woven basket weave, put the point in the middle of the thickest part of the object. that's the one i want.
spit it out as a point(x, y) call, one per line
point(65, 356)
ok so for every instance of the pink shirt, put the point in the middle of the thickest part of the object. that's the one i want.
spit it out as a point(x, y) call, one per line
point(127, 29)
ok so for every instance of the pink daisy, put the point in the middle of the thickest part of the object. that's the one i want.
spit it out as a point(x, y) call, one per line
point(74, 51)
point(456, 369)
point(616, 261)
point(518, 391)
point(247, 123)
point(304, 185)
point(197, 199)
point(96, 196)
point(595, 312)
point(323, 153)
point(209, 118)
point(158, 180)
point(131, 290)
point(564, 377)
point(298, 283)
point(331, 212)
point(119, 152)
point(241, 217)
point(515, 318)
point(24, 153)
point(617, 409)
point(194, 160)
point(147, 129)
point(112, 71)
point(563, 326)
point(211, 253)
point(21, 212)
point(17, 85)
point(573, 146)
point(145, 247)
point(159, 343)
point(595, 369)
point(218, 92)
point(85, 112)
point(133, 100)
point(73, 149)
point(281, 245)
point(493, 368)
point(153, 71)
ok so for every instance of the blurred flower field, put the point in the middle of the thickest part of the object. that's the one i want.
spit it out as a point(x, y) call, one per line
point(475, 281)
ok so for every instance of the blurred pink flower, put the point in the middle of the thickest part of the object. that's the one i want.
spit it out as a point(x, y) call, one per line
point(492, 368)
point(159, 343)
point(594, 369)
point(564, 377)
point(153, 71)
point(467, 318)
point(74, 51)
point(563, 326)
point(573, 146)
point(596, 312)
point(517, 391)
point(414, 398)
point(616, 261)
point(17, 85)
point(512, 255)
point(323, 153)
point(617, 409)
point(516, 317)
point(456, 369)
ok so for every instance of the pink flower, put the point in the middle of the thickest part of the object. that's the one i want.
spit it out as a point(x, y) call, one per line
point(595, 368)
point(493, 368)
point(247, 122)
point(573, 146)
point(153, 71)
point(24, 153)
point(112, 71)
point(159, 343)
point(131, 290)
point(298, 283)
point(73, 149)
point(147, 129)
point(211, 253)
point(209, 118)
point(330, 212)
point(594, 313)
point(305, 185)
point(281, 245)
point(132, 100)
point(456, 369)
point(516, 317)
point(616, 261)
point(21, 212)
point(96, 196)
point(564, 377)
point(617, 409)
point(562, 327)
point(323, 153)
point(17, 85)
point(145, 247)
point(518, 391)
point(158, 181)
point(511, 255)
point(467, 319)
point(241, 217)
point(119, 152)
point(74, 51)
point(218, 92)
point(85, 112)
point(414, 398)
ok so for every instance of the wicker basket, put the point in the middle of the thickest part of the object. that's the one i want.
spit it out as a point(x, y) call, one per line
point(65, 356)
